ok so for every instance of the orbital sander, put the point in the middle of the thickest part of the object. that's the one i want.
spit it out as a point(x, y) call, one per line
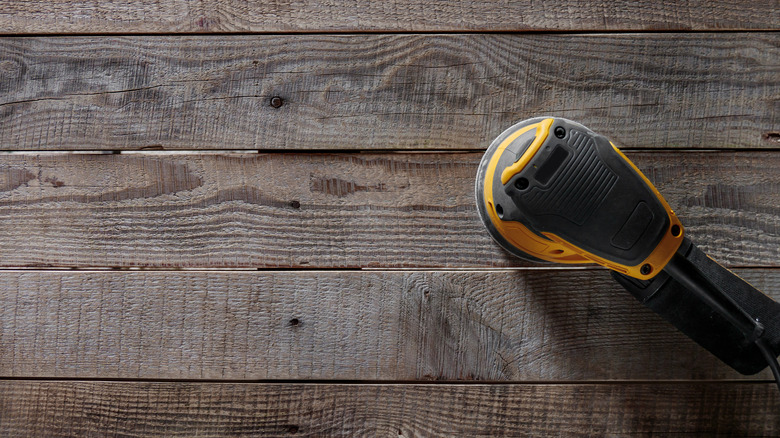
point(550, 190)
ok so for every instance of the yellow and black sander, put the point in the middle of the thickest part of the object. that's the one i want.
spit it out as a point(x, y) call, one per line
point(550, 190)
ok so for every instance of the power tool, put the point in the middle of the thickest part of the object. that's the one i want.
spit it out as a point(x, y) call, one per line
point(551, 190)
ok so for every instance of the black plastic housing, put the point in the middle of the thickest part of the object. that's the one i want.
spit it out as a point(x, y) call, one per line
point(578, 187)
point(694, 318)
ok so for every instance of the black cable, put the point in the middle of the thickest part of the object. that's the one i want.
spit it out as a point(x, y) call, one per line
point(770, 359)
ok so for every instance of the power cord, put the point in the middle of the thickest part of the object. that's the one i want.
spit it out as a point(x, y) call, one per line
point(770, 359)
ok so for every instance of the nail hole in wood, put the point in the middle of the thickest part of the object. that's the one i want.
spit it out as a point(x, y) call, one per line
point(772, 136)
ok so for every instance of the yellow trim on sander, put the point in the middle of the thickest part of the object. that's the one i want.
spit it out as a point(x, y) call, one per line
point(669, 244)
point(514, 232)
point(542, 130)
point(557, 249)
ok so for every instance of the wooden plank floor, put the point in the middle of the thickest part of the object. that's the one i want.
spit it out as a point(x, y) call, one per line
point(508, 325)
point(444, 92)
point(64, 409)
point(183, 255)
point(219, 16)
point(358, 210)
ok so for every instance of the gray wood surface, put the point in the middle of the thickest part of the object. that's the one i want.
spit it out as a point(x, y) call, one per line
point(382, 92)
point(66, 409)
point(210, 16)
point(524, 325)
point(404, 210)
point(413, 344)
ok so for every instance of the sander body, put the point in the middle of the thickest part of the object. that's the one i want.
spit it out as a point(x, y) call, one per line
point(550, 190)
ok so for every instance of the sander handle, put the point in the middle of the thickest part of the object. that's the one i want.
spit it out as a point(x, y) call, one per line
point(686, 273)
point(713, 306)
point(689, 275)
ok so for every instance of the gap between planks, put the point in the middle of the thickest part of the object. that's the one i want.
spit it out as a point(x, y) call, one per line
point(179, 152)
point(398, 382)
point(465, 270)
point(573, 32)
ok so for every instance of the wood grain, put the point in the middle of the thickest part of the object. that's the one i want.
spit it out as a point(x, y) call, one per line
point(526, 325)
point(385, 92)
point(214, 16)
point(65, 409)
point(329, 210)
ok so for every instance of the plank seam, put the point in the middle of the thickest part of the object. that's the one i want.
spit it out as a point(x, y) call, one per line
point(393, 382)
point(99, 269)
point(398, 32)
point(173, 152)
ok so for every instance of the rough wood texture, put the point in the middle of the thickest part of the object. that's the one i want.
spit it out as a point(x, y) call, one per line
point(385, 91)
point(210, 16)
point(65, 409)
point(522, 325)
point(330, 210)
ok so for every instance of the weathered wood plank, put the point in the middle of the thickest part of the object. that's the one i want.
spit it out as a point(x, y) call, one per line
point(65, 409)
point(385, 91)
point(526, 325)
point(214, 16)
point(329, 210)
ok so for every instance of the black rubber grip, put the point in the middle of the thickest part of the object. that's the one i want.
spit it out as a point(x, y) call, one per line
point(579, 188)
point(692, 316)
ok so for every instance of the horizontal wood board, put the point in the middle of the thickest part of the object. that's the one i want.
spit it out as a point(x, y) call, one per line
point(526, 325)
point(65, 409)
point(384, 92)
point(330, 210)
point(605, 365)
point(214, 16)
